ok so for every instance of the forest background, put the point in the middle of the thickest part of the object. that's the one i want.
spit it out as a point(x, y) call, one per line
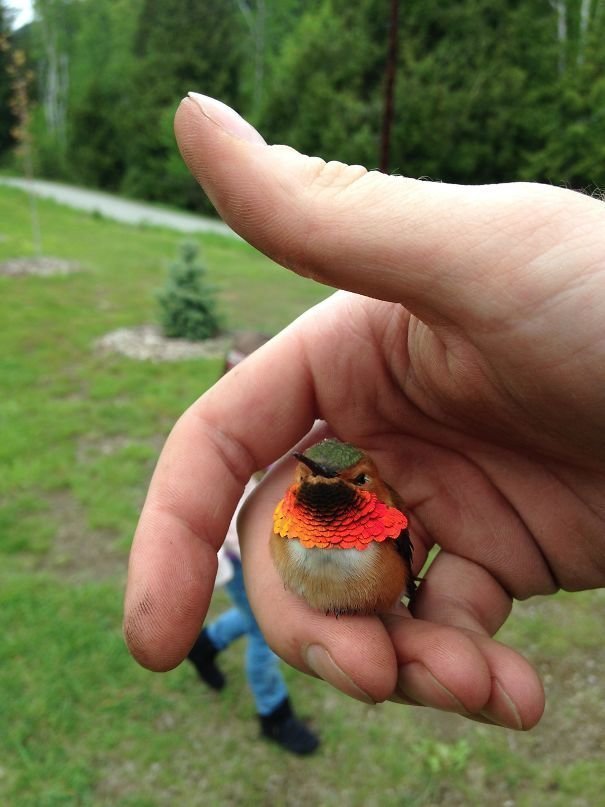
point(483, 90)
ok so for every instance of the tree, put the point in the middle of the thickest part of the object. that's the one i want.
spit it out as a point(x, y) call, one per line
point(574, 148)
point(389, 90)
point(267, 23)
point(255, 17)
point(7, 118)
point(188, 307)
point(56, 23)
point(20, 78)
point(179, 46)
point(100, 96)
point(330, 71)
point(469, 91)
point(95, 134)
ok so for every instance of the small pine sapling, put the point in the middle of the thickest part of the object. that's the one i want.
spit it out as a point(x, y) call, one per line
point(188, 305)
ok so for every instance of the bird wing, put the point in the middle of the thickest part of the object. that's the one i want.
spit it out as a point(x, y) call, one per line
point(403, 542)
point(405, 548)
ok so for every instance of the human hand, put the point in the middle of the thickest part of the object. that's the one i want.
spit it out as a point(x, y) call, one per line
point(471, 370)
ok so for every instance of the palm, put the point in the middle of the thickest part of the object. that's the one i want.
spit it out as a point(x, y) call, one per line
point(487, 493)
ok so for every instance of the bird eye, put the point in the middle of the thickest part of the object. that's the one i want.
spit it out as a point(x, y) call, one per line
point(360, 480)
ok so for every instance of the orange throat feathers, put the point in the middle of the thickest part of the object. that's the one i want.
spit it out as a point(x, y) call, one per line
point(335, 516)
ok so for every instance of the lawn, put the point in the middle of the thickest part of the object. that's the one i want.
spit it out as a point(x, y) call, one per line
point(82, 724)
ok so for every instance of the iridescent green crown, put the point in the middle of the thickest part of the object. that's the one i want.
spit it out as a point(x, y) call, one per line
point(334, 455)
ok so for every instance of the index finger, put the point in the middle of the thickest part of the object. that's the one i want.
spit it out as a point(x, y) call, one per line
point(209, 456)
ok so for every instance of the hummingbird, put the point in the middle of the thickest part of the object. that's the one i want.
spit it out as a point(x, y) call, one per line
point(340, 537)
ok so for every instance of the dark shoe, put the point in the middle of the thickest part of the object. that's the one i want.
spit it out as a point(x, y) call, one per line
point(202, 656)
point(283, 727)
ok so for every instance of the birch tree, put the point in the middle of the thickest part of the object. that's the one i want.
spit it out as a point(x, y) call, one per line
point(560, 8)
point(585, 15)
point(54, 65)
point(574, 21)
point(255, 17)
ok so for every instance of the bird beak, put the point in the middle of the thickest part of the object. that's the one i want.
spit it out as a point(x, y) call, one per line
point(314, 467)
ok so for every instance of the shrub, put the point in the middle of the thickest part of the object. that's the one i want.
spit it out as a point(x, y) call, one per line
point(188, 306)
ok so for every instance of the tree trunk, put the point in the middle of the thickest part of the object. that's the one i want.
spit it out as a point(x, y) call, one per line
point(585, 14)
point(389, 92)
point(256, 20)
point(56, 81)
point(259, 56)
point(560, 6)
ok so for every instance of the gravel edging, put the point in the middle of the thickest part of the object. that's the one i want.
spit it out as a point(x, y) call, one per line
point(39, 267)
point(148, 343)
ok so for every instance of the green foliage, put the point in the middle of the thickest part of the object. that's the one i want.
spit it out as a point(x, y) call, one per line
point(99, 159)
point(7, 120)
point(467, 92)
point(574, 146)
point(485, 90)
point(338, 98)
point(100, 98)
point(179, 46)
point(188, 306)
point(445, 758)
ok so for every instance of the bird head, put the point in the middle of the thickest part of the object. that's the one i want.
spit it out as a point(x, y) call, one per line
point(334, 463)
point(337, 499)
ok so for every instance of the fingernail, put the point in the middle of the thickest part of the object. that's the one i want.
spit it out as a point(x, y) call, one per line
point(227, 118)
point(501, 708)
point(323, 665)
point(416, 682)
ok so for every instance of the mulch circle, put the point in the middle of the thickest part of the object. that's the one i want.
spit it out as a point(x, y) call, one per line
point(147, 343)
point(39, 267)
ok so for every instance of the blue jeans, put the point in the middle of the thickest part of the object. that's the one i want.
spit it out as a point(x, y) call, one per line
point(262, 665)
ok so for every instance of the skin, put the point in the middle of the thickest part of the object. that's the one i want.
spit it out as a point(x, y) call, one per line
point(466, 356)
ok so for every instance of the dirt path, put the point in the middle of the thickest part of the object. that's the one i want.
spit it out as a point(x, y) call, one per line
point(124, 210)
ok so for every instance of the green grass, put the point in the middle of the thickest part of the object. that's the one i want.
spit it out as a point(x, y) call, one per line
point(82, 724)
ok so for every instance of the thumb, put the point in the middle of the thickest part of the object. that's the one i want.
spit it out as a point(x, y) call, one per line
point(424, 244)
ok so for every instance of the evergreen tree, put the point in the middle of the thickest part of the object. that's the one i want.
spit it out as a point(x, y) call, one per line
point(573, 151)
point(469, 78)
point(267, 23)
point(100, 98)
point(188, 308)
point(468, 107)
point(180, 46)
point(330, 73)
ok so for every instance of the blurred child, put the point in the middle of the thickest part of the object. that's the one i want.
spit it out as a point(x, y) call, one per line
point(278, 721)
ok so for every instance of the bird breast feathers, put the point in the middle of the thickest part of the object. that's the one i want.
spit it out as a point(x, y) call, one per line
point(365, 520)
